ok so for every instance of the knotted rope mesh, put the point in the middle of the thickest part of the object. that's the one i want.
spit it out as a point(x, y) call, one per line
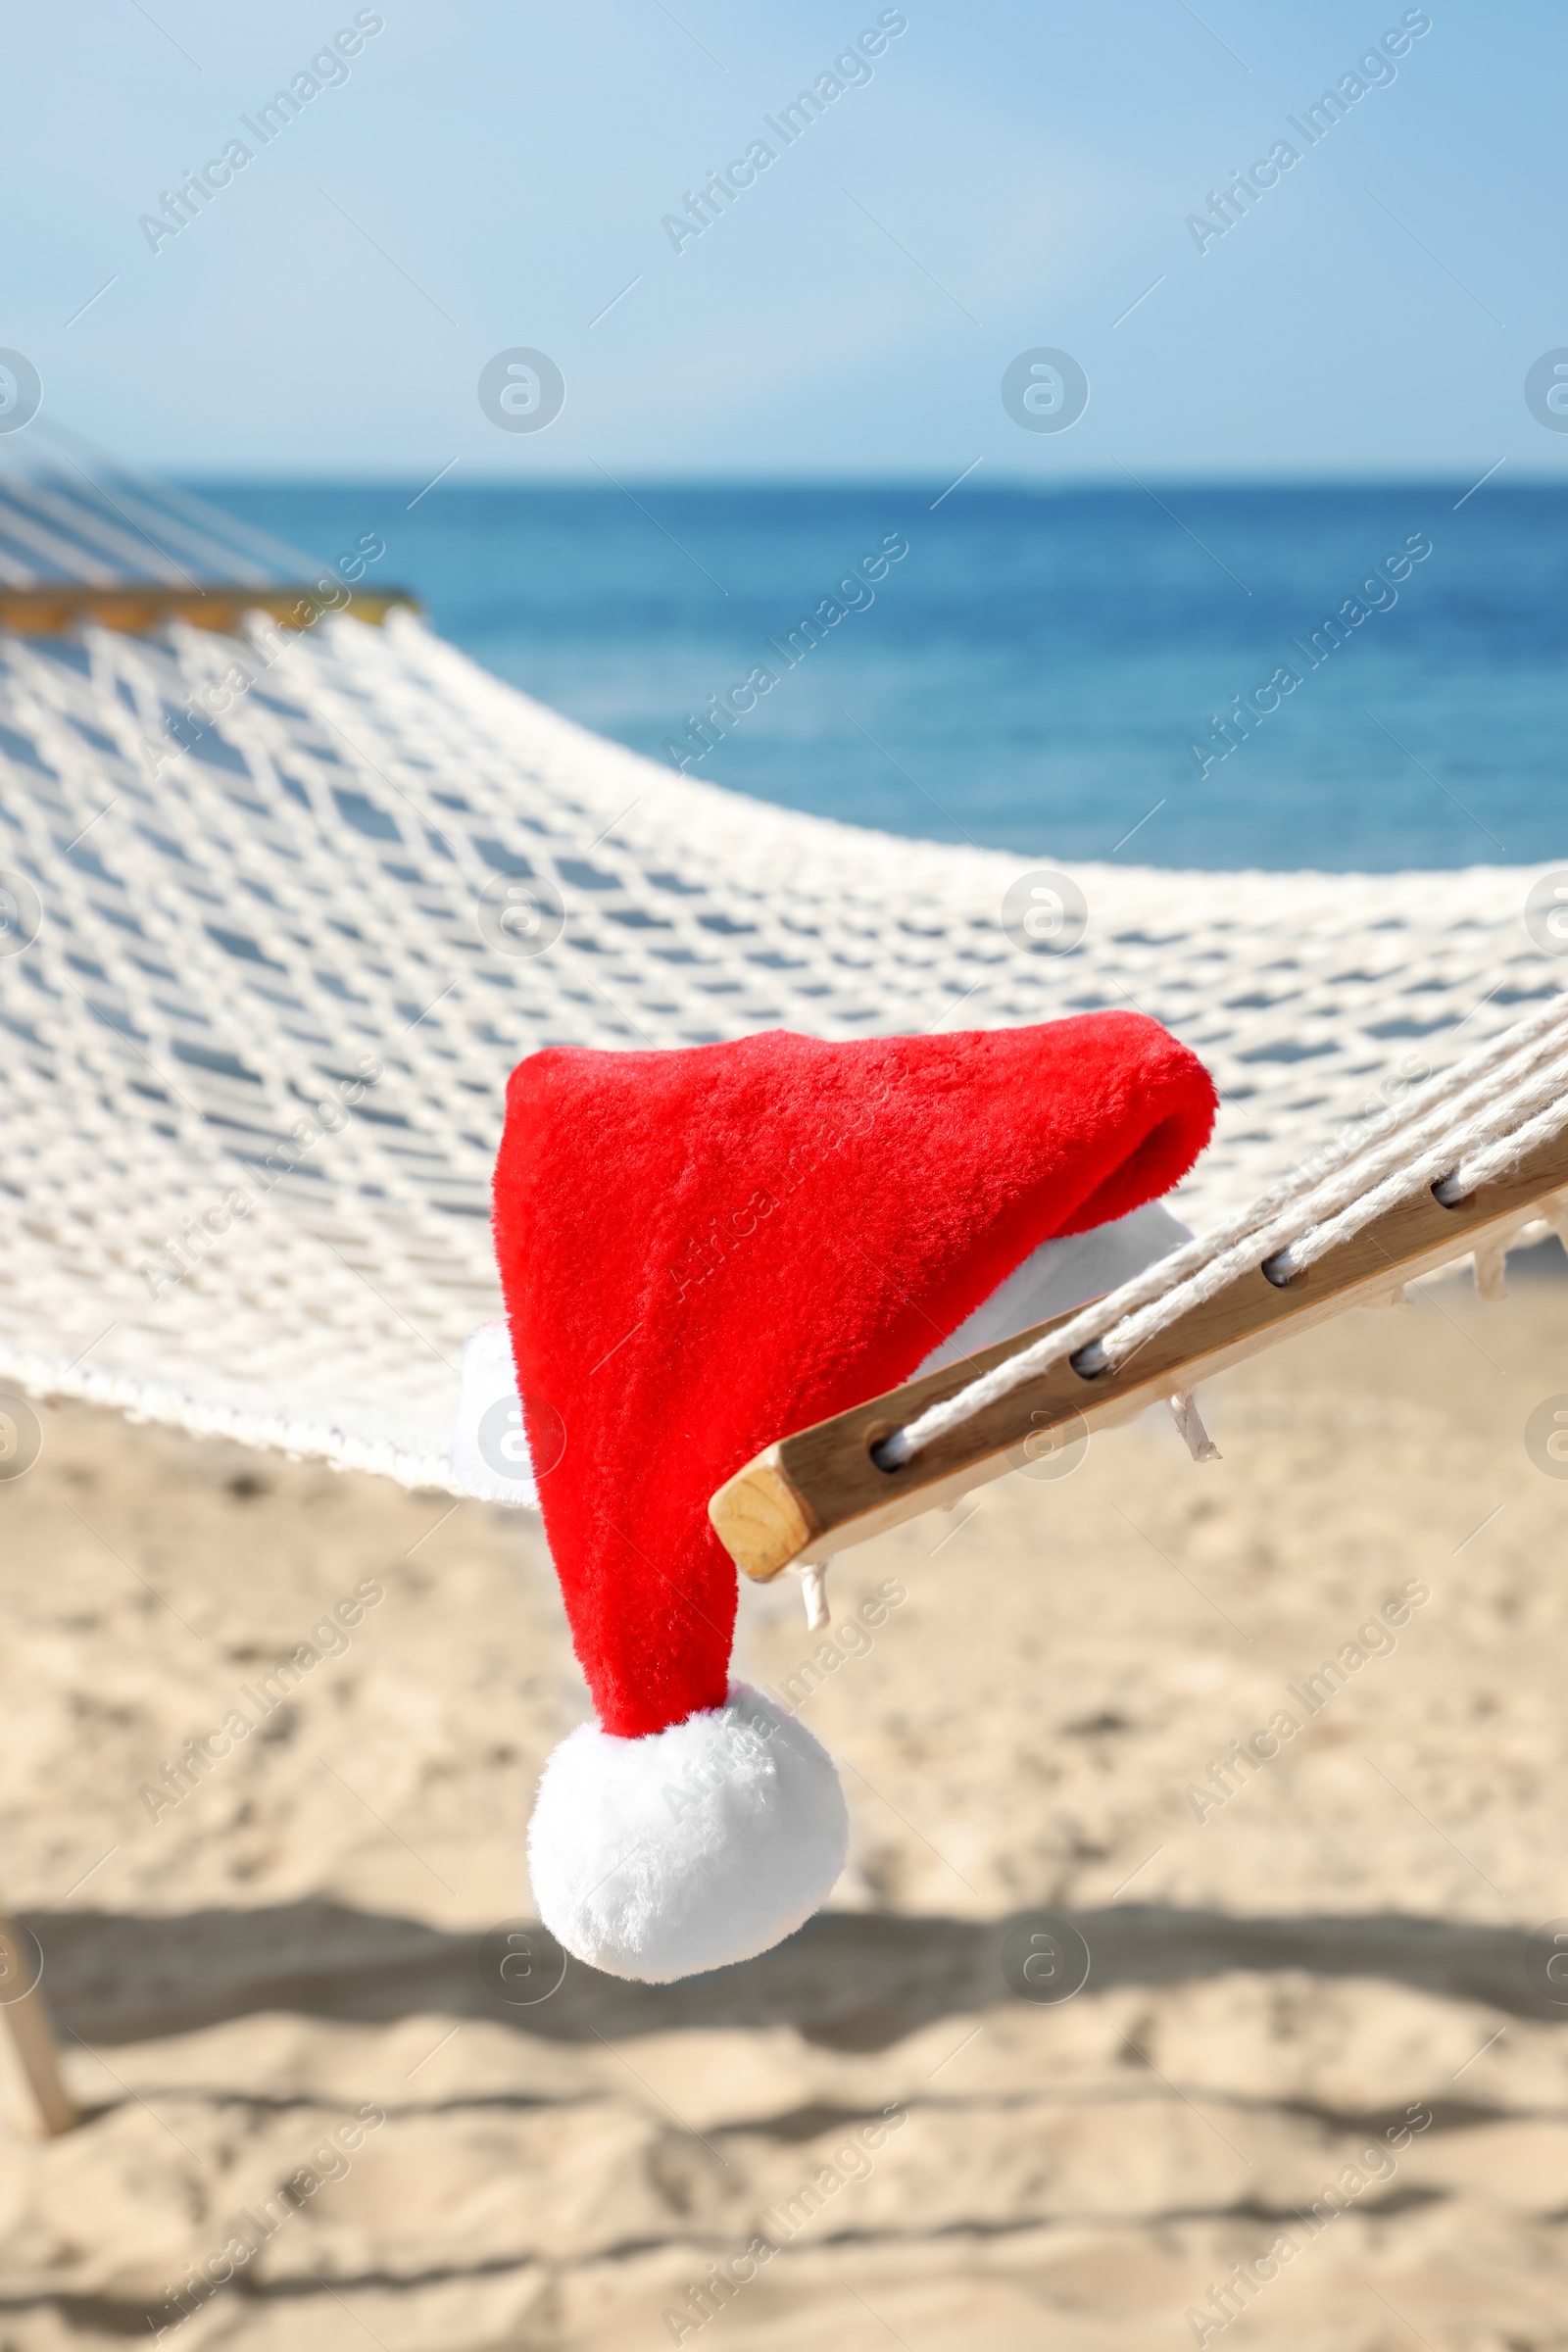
point(260, 995)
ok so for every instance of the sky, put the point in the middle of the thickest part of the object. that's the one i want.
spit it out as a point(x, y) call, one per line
point(987, 182)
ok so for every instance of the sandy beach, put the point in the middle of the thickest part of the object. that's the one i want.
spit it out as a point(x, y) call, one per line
point(1304, 1974)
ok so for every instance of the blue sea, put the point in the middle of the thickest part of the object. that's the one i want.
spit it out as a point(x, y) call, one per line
point(1038, 672)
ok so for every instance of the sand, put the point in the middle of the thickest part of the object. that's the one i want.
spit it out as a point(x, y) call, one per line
point(1329, 1969)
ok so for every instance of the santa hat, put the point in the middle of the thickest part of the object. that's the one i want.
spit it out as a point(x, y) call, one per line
point(700, 1251)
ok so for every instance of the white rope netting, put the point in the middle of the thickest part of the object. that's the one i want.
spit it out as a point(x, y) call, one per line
point(258, 1010)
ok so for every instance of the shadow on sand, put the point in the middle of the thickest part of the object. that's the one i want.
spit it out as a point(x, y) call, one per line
point(846, 1981)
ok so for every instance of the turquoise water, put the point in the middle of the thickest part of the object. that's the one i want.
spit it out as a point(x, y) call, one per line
point(1035, 672)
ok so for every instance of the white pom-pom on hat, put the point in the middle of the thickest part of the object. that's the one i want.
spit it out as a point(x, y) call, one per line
point(688, 1848)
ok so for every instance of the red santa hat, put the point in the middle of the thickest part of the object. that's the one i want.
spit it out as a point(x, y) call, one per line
point(700, 1251)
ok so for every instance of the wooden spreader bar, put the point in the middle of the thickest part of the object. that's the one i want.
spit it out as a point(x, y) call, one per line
point(819, 1491)
point(140, 608)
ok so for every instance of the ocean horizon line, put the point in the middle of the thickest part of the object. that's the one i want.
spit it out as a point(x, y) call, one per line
point(211, 478)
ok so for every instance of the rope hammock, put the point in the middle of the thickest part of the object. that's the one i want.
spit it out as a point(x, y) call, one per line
point(280, 912)
point(284, 897)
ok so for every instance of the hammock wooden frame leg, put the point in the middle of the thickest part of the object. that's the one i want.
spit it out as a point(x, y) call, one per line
point(820, 1490)
point(33, 2042)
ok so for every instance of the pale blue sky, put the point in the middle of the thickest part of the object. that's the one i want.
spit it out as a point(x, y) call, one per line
point(1011, 176)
